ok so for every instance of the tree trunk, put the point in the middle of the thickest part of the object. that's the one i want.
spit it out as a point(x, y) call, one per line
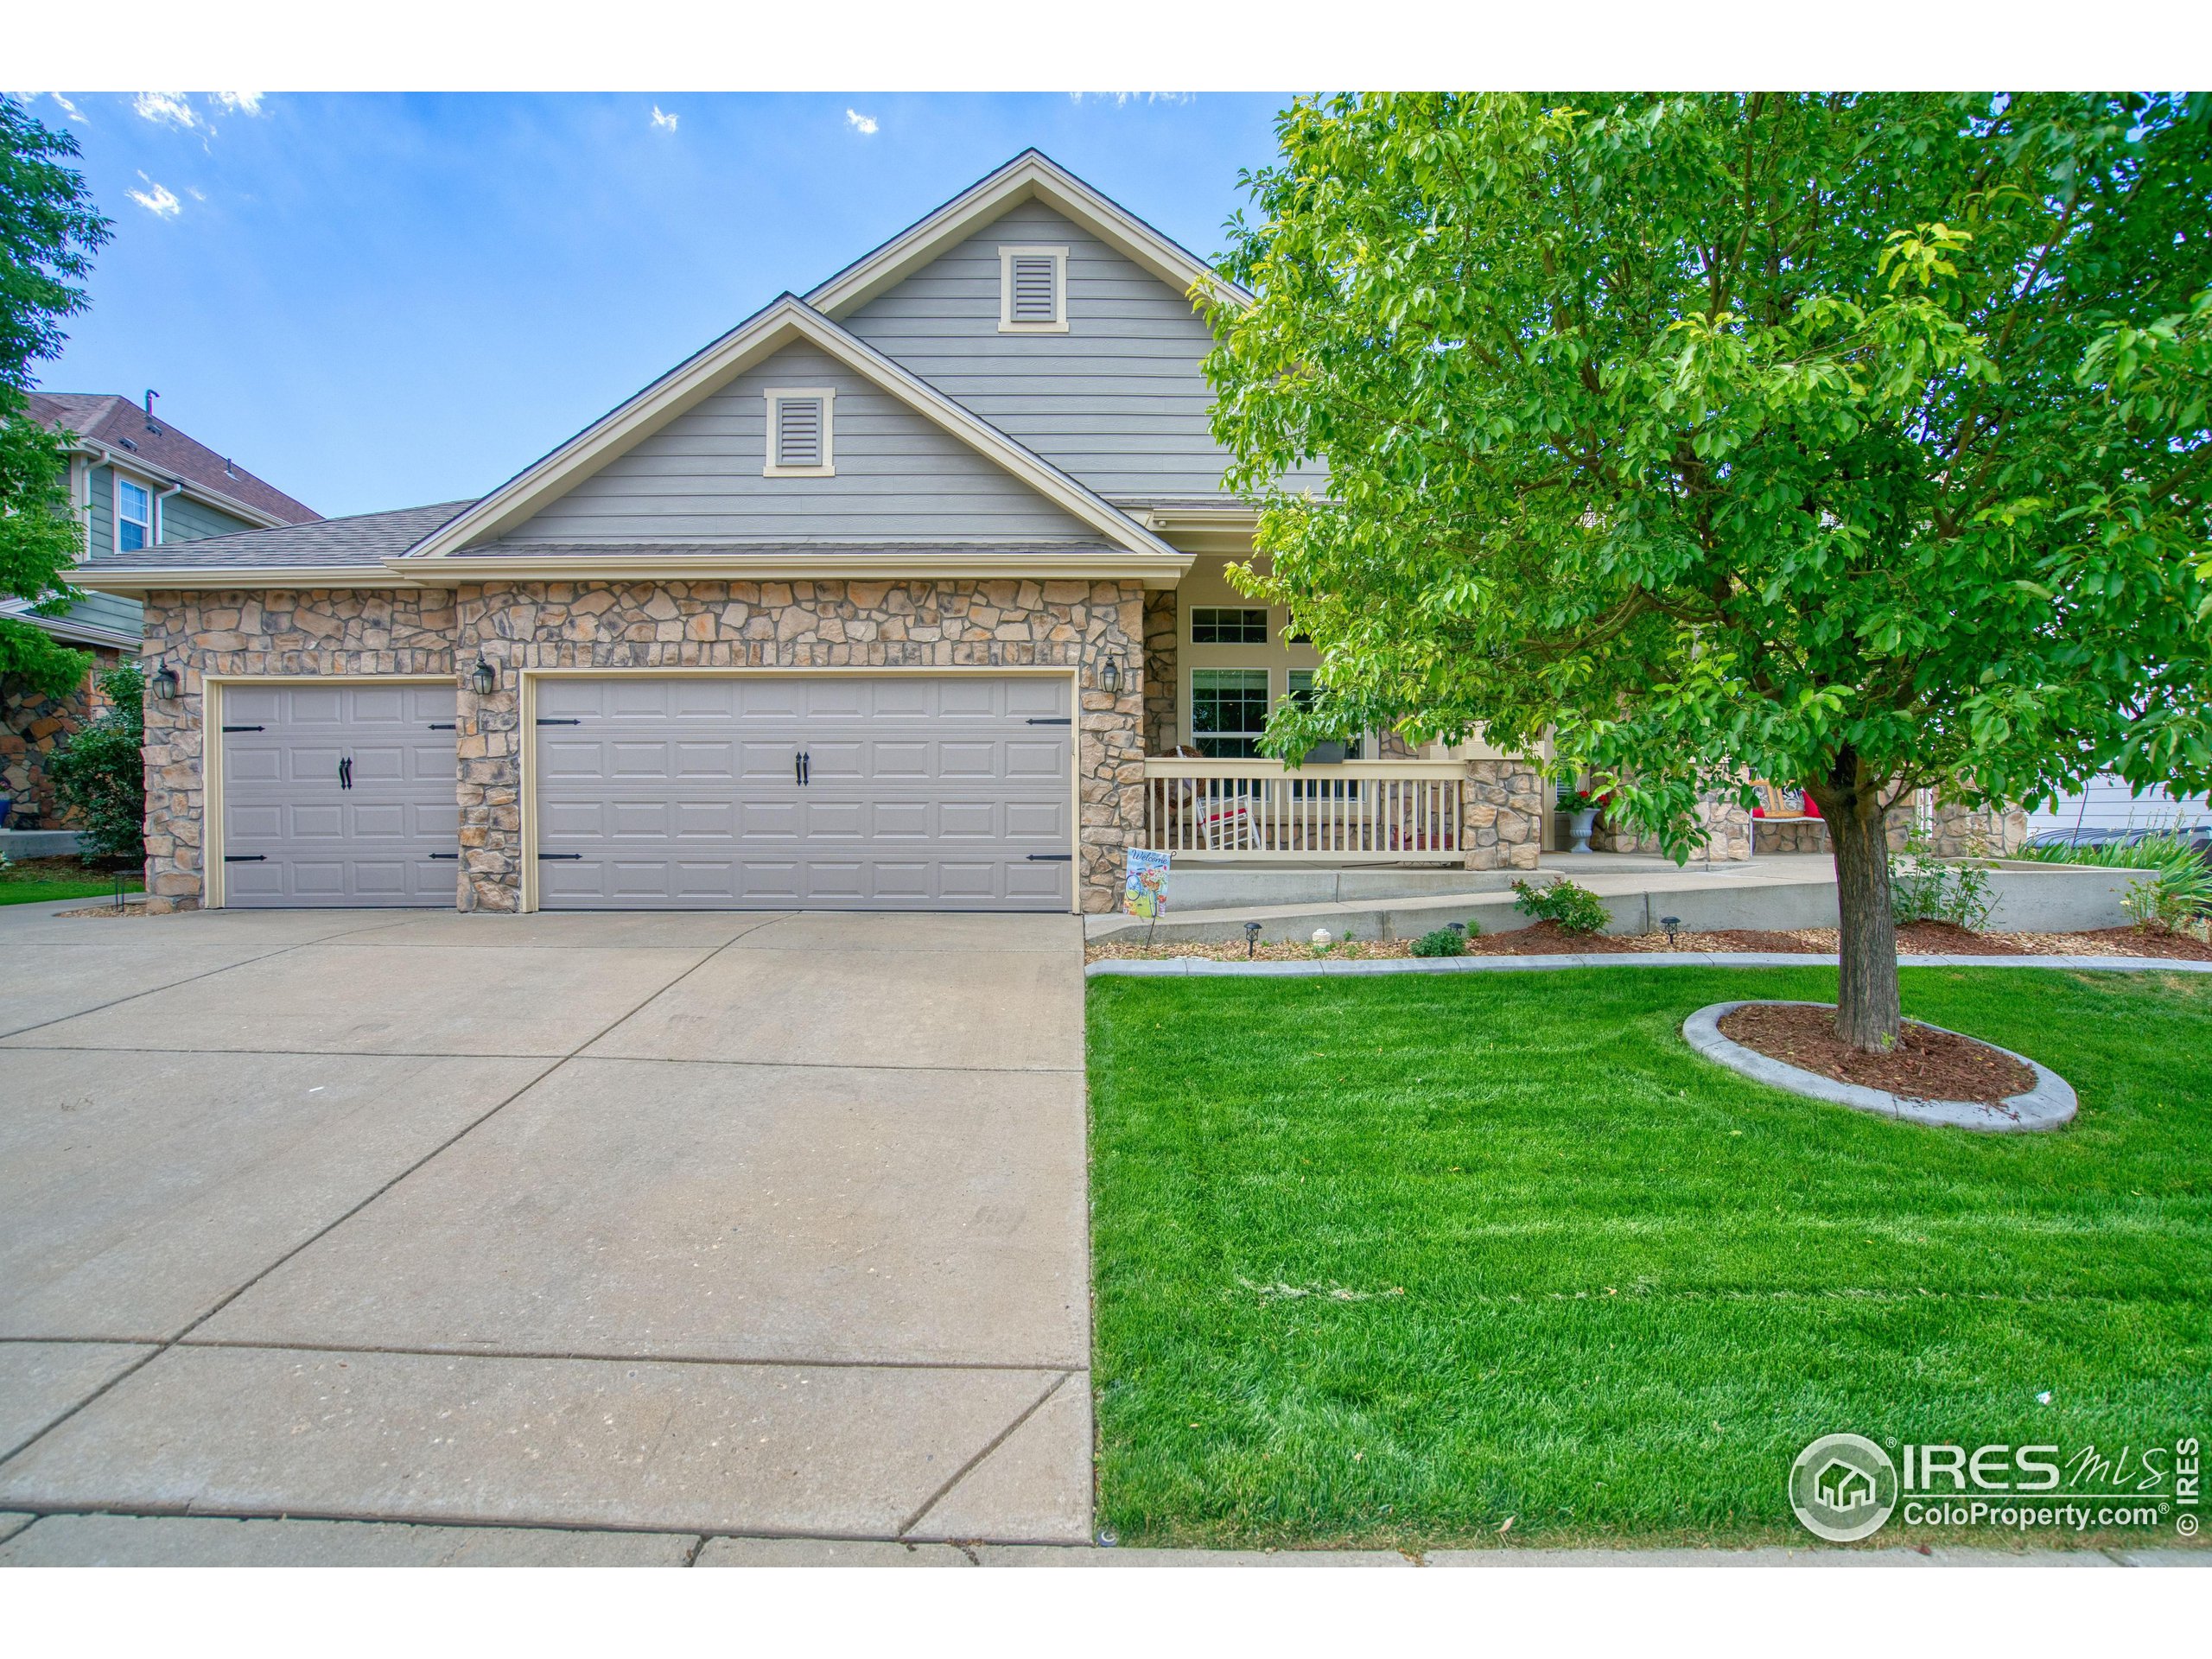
point(1868, 1014)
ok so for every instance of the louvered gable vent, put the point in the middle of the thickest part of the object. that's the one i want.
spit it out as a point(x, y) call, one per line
point(798, 432)
point(1034, 296)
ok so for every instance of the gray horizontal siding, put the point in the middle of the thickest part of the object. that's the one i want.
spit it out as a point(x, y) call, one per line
point(899, 477)
point(192, 521)
point(1118, 400)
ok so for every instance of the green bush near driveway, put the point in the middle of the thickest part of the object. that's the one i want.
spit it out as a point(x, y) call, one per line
point(1398, 1260)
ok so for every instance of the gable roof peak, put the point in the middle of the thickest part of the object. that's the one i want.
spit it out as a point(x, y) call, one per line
point(1030, 175)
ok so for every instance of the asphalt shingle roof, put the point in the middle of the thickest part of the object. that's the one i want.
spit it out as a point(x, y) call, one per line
point(363, 538)
point(120, 424)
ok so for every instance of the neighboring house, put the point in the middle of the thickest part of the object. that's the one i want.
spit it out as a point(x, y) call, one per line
point(136, 482)
point(901, 594)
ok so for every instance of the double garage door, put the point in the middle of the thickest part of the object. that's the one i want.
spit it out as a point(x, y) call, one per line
point(836, 792)
point(689, 792)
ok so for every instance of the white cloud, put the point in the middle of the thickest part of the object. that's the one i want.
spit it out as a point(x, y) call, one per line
point(1121, 99)
point(243, 103)
point(67, 108)
point(156, 198)
point(167, 108)
point(666, 121)
point(863, 125)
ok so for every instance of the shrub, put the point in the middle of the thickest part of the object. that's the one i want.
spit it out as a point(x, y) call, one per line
point(100, 769)
point(1572, 908)
point(1442, 941)
point(1923, 890)
point(2178, 890)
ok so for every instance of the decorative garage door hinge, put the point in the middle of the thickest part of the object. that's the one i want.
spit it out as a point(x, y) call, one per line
point(246, 858)
point(242, 728)
point(560, 722)
point(1052, 858)
point(1061, 719)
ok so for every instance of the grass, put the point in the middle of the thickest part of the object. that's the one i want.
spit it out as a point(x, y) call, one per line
point(35, 881)
point(1400, 1260)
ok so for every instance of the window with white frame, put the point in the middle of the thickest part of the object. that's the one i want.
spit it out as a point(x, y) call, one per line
point(801, 431)
point(1229, 711)
point(134, 516)
point(1033, 290)
point(1229, 625)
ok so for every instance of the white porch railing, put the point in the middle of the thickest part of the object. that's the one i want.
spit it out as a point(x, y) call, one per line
point(1358, 811)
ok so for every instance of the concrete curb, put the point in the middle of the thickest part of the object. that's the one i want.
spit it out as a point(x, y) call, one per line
point(2049, 1105)
point(1145, 968)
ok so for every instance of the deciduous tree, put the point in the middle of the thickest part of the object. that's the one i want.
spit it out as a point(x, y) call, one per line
point(1853, 442)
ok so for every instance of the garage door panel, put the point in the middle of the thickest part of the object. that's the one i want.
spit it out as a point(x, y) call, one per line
point(294, 834)
point(923, 791)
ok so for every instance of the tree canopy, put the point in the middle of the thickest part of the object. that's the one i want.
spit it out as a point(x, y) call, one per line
point(1741, 433)
point(1856, 442)
point(49, 230)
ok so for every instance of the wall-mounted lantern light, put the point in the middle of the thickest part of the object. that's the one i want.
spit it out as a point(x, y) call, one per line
point(484, 678)
point(165, 683)
point(1109, 676)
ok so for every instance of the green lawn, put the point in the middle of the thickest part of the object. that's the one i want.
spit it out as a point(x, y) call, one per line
point(35, 880)
point(1394, 1259)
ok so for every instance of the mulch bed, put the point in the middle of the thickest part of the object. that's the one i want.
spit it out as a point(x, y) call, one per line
point(2152, 942)
point(1926, 1064)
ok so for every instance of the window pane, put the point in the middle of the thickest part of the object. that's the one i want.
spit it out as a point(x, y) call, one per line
point(1229, 625)
point(130, 537)
point(1229, 710)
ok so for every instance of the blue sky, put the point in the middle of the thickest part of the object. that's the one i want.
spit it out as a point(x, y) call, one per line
point(382, 300)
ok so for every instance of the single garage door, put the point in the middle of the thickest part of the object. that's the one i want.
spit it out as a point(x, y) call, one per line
point(836, 792)
point(340, 794)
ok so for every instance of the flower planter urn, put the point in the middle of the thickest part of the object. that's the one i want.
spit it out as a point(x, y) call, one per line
point(1579, 825)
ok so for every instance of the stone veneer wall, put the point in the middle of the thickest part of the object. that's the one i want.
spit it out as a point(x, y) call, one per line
point(1011, 624)
point(311, 631)
point(1160, 691)
point(1728, 834)
point(1957, 832)
point(996, 623)
point(31, 729)
point(1501, 808)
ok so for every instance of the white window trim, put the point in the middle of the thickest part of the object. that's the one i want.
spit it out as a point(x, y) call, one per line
point(776, 395)
point(118, 477)
point(1059, 258)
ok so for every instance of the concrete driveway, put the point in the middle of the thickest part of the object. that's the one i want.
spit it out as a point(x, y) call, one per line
point(731, 1224)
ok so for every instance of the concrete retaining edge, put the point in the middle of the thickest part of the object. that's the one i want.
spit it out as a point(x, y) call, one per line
point(2049, 1105)
point(1144, 967)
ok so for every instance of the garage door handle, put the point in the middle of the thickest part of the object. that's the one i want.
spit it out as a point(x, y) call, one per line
point(246, 858)
point(242, 728)
point(346, 772)
point(1063, 720)
point(1052, 858)
point(565, 855)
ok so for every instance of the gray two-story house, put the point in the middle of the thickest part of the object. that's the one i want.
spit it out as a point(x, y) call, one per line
point(135, 482)
point(909, 593)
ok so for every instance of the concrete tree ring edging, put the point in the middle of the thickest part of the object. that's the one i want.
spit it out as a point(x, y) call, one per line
point(2049, 1105)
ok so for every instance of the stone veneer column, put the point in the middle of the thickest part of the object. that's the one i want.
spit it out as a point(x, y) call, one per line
point(1501, 825)
point(1161, 687)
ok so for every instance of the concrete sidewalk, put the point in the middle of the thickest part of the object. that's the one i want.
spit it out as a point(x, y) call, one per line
point(134, 1541)
point(639, 1224)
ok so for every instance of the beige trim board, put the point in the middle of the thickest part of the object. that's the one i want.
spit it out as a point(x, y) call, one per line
point(1153, 570)
point(212, 687)
point(527, 901)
